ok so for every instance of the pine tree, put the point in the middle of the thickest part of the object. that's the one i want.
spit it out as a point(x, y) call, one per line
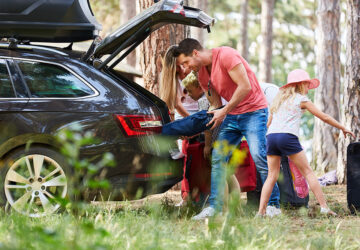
point(351, 96)
point(265, 66)
point(327, 95)
point(155, 46)
point(244, 46)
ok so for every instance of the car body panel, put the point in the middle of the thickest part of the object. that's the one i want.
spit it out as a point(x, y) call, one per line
point(38, 120)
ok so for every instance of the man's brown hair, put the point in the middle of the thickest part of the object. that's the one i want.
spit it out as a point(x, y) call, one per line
point(186, 47)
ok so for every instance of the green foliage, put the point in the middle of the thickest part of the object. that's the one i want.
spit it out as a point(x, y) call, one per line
point(298, 13)
point(86, 174)
point(107, 12)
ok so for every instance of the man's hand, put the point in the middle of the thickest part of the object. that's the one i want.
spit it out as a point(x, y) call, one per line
point(219, 116)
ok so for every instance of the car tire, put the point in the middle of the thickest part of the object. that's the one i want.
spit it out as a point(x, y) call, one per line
point(32, 180)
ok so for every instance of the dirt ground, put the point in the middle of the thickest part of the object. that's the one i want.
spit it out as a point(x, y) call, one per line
point(335, 195)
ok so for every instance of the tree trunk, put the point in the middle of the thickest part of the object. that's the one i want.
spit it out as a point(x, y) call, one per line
point(244, 29)
point(128, 11)
point(327, 95)
point(351, 97)
point(196, 33)
point(155, 46)
point(267, 13)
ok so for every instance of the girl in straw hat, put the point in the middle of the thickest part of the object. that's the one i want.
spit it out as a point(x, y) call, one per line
point(283, 132)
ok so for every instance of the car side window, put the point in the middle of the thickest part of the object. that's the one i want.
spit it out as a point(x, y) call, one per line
point(46, 80)
point(6, 87)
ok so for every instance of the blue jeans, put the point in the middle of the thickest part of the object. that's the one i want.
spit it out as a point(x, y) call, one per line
point(252, 125)
point(188, 126)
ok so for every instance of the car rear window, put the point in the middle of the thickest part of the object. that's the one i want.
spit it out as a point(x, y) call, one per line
point(49, 80)
point(6, 87)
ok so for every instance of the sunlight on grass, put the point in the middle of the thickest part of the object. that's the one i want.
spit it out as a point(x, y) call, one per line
point(159, 225)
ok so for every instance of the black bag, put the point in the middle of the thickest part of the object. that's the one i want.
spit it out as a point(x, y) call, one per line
point(288, 196)
point(353, 177)
point(253, 197)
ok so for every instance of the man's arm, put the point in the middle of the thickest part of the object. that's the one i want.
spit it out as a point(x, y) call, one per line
point(239, 76)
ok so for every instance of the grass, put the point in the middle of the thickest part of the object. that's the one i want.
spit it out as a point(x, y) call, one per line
point(155, 224)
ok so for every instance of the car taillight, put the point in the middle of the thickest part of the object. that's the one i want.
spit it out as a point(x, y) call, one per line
point(138, 125)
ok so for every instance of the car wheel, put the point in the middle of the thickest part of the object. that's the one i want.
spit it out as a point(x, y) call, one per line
point(33, 179)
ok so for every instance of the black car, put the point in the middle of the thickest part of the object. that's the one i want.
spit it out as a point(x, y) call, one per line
point(46, 89)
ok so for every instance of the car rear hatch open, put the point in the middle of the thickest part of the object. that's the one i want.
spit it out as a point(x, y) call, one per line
point(131, 34)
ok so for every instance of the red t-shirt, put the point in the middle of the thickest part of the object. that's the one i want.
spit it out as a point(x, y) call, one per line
point(225, 59)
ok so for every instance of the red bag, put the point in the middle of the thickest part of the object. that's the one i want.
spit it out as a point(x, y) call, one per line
point(246, 172)
point(197, 171)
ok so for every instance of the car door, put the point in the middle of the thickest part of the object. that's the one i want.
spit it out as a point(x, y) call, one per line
point(13, 98)
point(57, 95)
point(7, 91)
point(13, 95)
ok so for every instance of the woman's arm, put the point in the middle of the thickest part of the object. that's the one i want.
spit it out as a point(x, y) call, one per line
point(269, 121)
point(324, 117)
point(180, 108)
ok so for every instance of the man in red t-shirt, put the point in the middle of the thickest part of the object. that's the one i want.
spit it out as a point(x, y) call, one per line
point(245, 114)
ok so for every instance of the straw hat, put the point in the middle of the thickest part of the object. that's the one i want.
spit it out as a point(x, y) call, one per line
point(299, 75)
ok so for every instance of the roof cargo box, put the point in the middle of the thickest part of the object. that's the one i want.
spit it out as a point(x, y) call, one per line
point(48, 20)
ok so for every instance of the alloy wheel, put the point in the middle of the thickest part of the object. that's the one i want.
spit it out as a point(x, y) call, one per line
point(33, 183)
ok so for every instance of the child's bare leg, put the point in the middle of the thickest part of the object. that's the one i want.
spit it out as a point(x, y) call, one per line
point(302, 163)
point(234, 185)
point(273, 174)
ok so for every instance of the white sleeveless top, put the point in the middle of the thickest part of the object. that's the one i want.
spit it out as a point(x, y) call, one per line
point(288, 117)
